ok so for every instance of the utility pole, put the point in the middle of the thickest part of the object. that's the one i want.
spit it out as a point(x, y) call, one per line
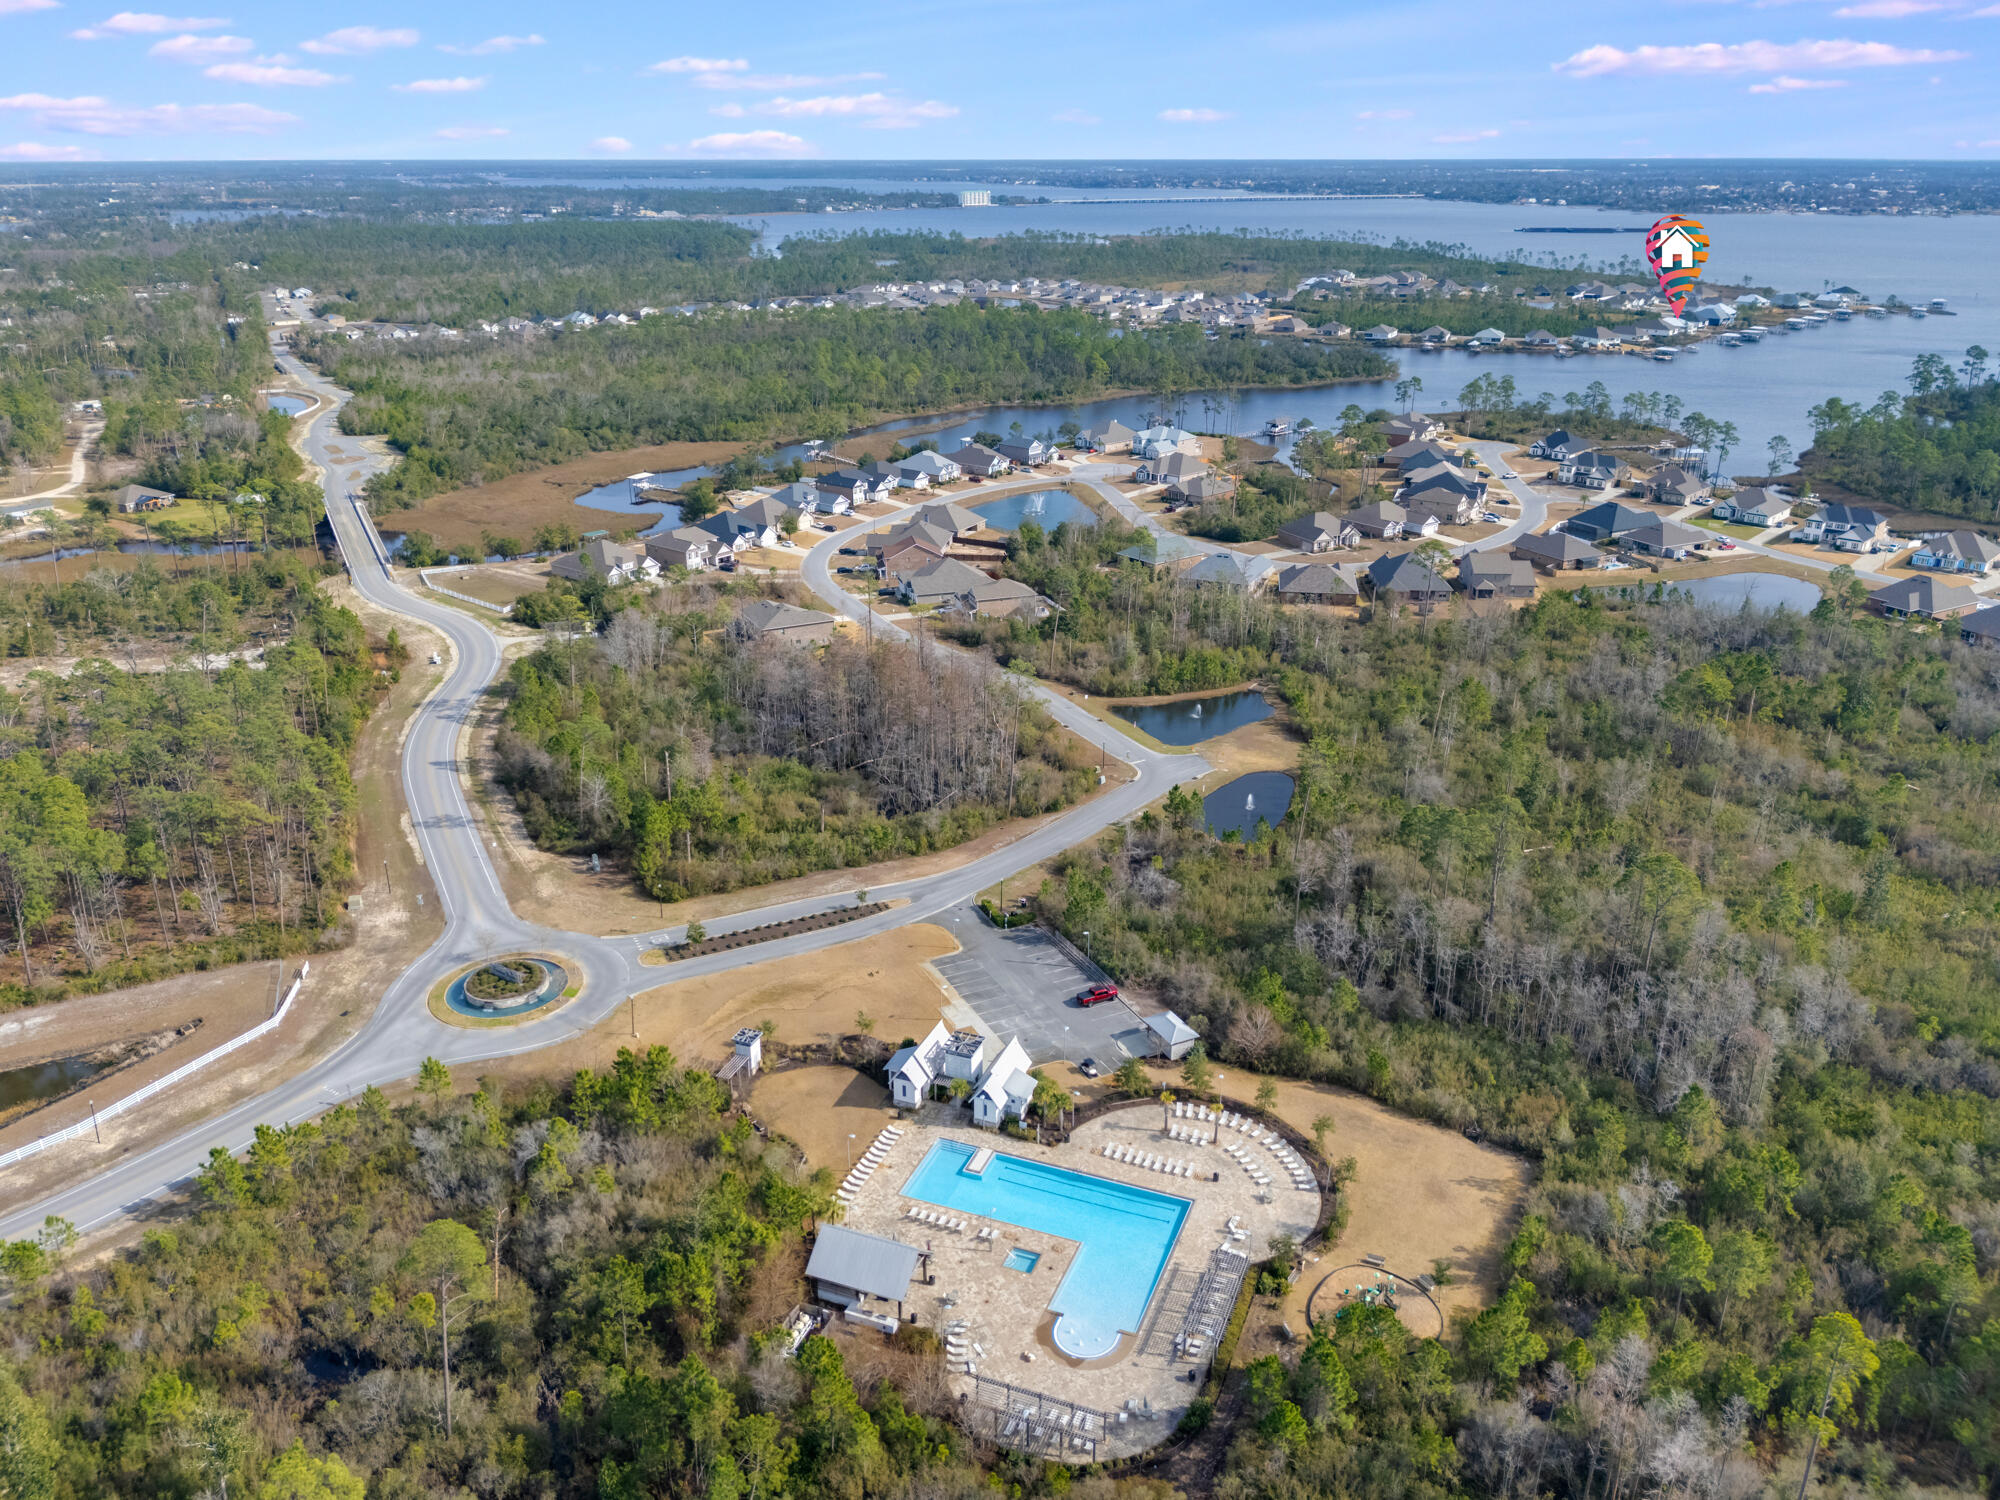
point(635, 1013)
point(385, 878)
point(95, 1132)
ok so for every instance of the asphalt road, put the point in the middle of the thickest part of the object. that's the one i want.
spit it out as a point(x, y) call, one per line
point(401, 1033)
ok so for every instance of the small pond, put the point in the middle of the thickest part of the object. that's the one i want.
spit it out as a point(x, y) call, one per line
point(1731, 591)
point(1239, 805)
point(1193, 720)
point(1048, 509)
point(44, 1080)
point(291, 406)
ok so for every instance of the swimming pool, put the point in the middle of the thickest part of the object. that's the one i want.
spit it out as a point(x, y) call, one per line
point(1124, 1234)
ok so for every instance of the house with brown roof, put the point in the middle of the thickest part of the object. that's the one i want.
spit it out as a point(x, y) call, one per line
point(1001, 599)
point(937, 582)
point(775, 620)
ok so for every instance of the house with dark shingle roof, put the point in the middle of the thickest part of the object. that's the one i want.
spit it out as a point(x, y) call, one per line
point(1314, 583)
point(1488, 575)
point(1924, 599)
point(1322, 531)
point(1606, 522)
point(1404, 578)
point(1557, 552)
point(1957, 552)
point(937, 582)
point(775, 620)
point(1982, 628)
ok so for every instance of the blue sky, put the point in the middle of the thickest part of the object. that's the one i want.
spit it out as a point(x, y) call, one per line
point(921, 79)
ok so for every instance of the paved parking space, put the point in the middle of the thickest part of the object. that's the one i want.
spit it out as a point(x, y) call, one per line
point(1020, 983)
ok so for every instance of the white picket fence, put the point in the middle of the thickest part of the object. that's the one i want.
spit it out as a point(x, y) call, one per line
point(438, 588)
point(161, 1085)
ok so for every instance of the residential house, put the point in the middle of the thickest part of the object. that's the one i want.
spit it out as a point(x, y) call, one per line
point(1447, 506)
point(1203, 489)
point(1755, 506)
point(1228, 570)
point(1002, 599)
point(1416, 427)
point(1540, 338)
point(1606, 522)
point(136, 497)
point(952, 518)
point(1711, 315)
point(1599, 338)
point(847, 1267)
point(1592, 470)
point(894, 477)
point(774, 620)
point(684, 547)
point(1924, 599)
point(906, 552)
point(1381, 333)
point(1322, 531)
point(1445, 476)
point(856, 486)
point(1981, 628)
point(808, 499)
point(1164, 442)
point(1314, 583)
point(614, 562)
point(1388, 520)
point(1113, 437)
point(1420, 454)
point(766, 511)
point(1557, 445)
point(1027, 455)
point(1557, 552)
point(1673, 485)
point(1403, 578)
point(740, 530)
point(1847, 528)
point(1488, 575)
point(1172, 1037)
point(1660, 537)
point(937, 582)
point(1173, 468)
point(1488, 338)
point(1957, 552)
point(935, 535)
point(1436, 336)
point(930, 465)
point(979, 461)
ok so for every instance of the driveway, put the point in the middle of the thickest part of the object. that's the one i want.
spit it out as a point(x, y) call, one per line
point(1022, 983)
point(1534, 504)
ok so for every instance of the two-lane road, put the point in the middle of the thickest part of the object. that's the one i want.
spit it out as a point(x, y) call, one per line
point(479, 923)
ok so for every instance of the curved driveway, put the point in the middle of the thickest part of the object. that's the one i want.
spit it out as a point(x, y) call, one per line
point(479, 923)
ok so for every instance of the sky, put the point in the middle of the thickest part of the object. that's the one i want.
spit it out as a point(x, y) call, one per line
point(927, 79)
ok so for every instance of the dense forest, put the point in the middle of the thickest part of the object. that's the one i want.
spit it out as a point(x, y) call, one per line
point(1697, 909)
point(461, 413)
point(152, 822)
point(712, 763)
point(1936, 449)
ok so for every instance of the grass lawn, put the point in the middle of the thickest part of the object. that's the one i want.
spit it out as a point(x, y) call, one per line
point(1727, 528)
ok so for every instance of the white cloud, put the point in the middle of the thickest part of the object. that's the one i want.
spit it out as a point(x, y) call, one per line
point(493, 44)
point(1716, 58)
point(469, 132)
point(746, 143)
point(270, 73)
point(1464, 137)
point(611, 143)
point(135, 23)
point(1988, 12)
point(201, 49)
point(772, 82)
point(16, 7)
point(701, 65)
point(1891, 10)
point(1784, 83)
point(876, 111)
point(89, 115)
point(36, 151)
point(352, 39)
point(1075, 117)
point(1202, 116)
point(1385, 114)
point(440, 86)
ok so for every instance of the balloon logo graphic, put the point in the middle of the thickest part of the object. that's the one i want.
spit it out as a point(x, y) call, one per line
point(1677, 247)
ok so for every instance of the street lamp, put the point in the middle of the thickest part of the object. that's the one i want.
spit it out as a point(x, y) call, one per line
point(850, 1151)
point(1086, 945)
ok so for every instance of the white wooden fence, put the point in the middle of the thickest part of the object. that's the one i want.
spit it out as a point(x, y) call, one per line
point(161, 1085)
point(438, 588)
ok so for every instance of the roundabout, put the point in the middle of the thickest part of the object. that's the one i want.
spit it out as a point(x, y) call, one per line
point(502, 989)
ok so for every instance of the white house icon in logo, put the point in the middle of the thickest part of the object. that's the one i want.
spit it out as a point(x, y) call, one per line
point(1677, 250)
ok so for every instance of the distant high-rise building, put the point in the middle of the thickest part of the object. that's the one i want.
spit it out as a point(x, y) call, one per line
point(975, 198)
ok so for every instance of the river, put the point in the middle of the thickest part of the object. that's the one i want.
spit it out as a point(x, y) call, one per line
point(1766, 389)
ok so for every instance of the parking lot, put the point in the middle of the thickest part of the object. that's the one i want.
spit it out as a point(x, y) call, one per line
point(1021, 983)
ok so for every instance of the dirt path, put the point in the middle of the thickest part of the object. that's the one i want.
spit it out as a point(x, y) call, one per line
point(387, 930)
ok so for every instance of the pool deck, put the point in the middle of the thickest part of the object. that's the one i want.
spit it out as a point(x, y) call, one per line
point(1008, 1313)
